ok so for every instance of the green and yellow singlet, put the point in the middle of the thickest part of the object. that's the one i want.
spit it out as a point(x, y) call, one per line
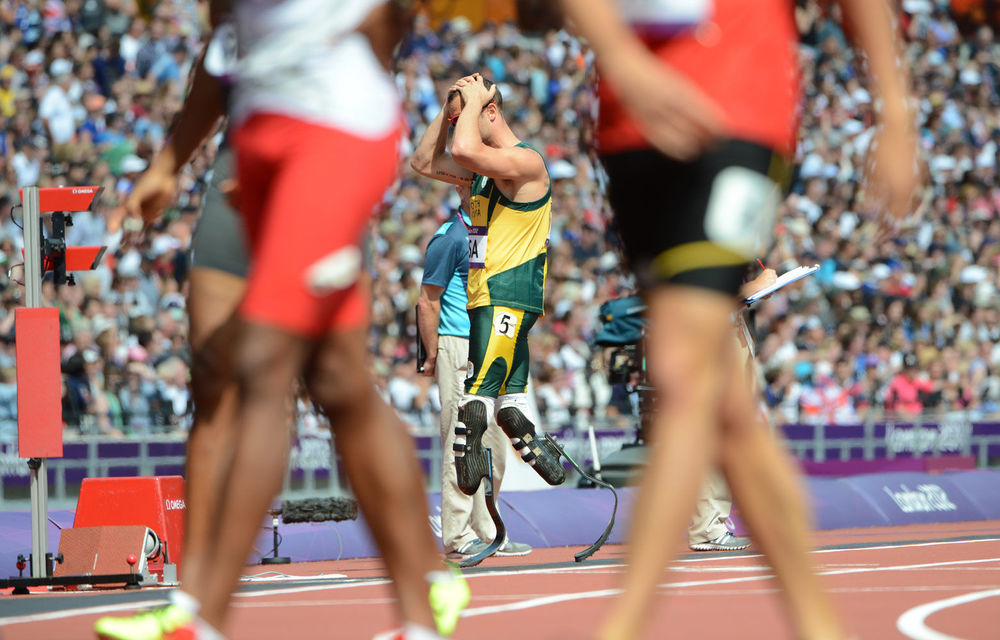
point(507, 247)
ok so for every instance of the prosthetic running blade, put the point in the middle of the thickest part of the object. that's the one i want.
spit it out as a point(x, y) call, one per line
point(589, 551)
point(491, 506)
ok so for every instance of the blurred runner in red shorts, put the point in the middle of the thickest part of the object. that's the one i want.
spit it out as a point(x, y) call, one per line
point(695, 119)
point(315, 120)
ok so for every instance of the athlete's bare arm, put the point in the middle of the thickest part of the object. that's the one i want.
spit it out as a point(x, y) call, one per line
point(516, 164)
point(156, 188)
point(893, 165)
point(431, 158)
point(385, 27)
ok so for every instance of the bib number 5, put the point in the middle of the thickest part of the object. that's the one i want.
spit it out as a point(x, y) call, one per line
point(505, 324)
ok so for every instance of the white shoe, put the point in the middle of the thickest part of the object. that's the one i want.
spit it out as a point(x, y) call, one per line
point(725, 542)
point(511, 548)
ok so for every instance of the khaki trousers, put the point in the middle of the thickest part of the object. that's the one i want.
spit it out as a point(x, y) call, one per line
point(463, 518)
point(714, 506)
point(715, 502)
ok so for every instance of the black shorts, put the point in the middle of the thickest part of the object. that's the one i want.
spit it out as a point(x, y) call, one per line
point(699, 222)
point(219, 239)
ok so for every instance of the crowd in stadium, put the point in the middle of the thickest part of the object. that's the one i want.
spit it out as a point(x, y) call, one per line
point(906, 325)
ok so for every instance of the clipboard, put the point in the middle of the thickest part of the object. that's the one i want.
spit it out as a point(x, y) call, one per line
point(783, 280)
point(421, 349)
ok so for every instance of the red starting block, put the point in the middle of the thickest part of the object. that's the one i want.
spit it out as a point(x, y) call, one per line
point(153, 502)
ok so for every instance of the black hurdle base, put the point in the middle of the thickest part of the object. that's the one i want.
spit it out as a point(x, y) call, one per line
point(20, 585)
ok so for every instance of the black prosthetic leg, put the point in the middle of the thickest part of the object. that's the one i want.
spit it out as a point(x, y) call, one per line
point(473, 465)
point(542, 455)
point(491, 506)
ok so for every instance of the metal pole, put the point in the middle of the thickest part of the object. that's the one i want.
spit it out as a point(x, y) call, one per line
point(33, 300)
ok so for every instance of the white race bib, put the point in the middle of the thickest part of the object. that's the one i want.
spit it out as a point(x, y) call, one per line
point(741, 210)
point(505, 324)
point(665, 16)
point(477, 247)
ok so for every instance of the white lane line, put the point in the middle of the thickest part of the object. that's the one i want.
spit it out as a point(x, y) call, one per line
point(911, 545)
point(313, 587)
point(606, 567)
point(603, 593)
point(882, 547)
point(906, 567)
point(82, 611)
point(912, 625)
point(754, 568)
point(681, 594)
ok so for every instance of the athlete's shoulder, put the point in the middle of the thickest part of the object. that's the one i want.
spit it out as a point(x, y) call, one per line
point(543, 164)
point(530, 147)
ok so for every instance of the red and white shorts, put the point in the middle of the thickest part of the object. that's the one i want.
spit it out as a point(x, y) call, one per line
point(306, 195)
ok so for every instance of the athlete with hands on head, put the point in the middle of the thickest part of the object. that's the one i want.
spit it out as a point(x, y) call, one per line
point(510, 213)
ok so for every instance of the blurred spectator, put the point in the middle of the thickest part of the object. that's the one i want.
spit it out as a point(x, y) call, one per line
point(88, 90)
point(904, 396)
point(8, 405)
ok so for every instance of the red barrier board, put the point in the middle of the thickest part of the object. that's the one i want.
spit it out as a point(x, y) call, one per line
point(39, 394)
point(77, 259)
point(154, 502)
point(65, 198)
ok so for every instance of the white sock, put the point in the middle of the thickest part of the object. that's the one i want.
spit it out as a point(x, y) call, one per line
point(435, 577)
point(185, 601)
point(207, 631)
point(416, 632)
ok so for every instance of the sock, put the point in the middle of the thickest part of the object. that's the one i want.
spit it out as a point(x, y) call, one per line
point(416, 632)
point(434, 577)
point(185, 601)
point(207, 631)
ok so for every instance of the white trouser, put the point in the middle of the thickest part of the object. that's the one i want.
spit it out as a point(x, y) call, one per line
point(715, 502)
point(712, 510)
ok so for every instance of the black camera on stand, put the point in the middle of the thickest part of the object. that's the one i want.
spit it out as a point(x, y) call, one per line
point(624, 333)
point(627, 366)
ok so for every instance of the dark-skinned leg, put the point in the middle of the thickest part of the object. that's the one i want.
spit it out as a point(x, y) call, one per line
point(268, 360)
point(212, 301)
point(380, 460)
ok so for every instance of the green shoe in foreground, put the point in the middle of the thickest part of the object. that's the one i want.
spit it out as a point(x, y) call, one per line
point(448, 598)
point(150, 625)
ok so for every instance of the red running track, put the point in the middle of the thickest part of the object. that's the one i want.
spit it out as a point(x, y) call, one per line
point(921, 582)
